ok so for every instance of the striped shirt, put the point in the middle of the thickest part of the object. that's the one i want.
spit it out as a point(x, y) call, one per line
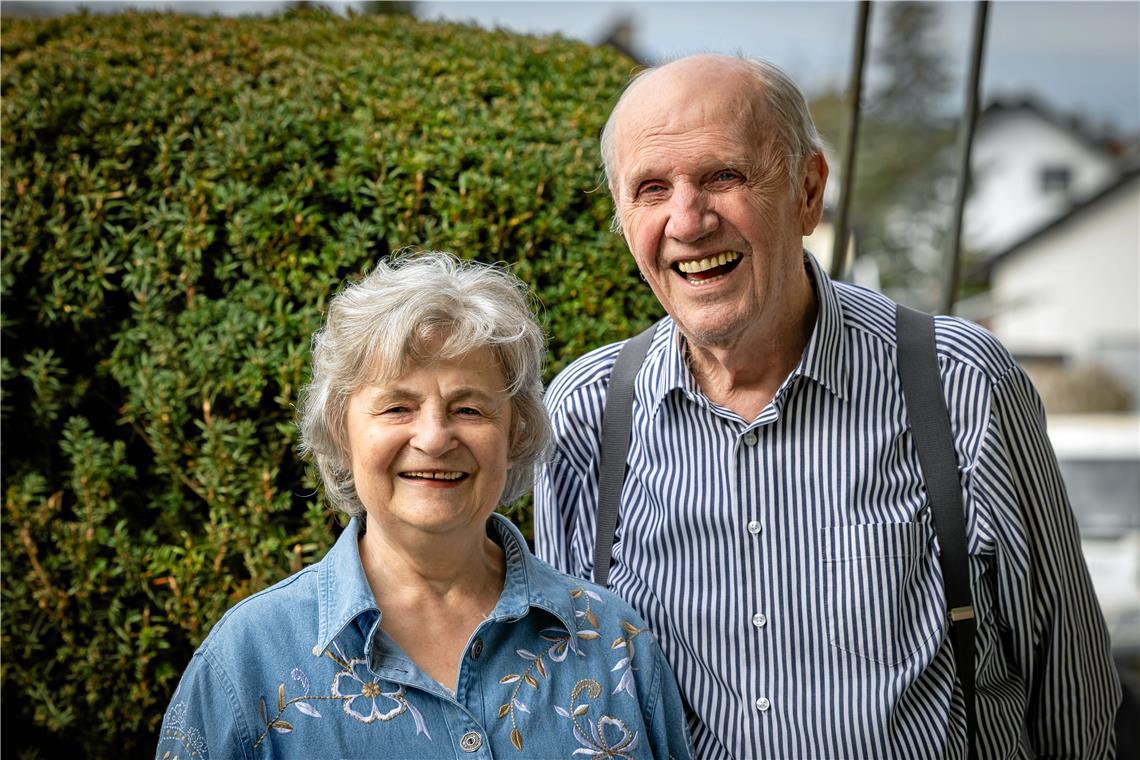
point(788, 563)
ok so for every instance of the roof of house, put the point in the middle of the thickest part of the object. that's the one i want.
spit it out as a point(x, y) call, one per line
point(1076, 210)
point(1073, 125)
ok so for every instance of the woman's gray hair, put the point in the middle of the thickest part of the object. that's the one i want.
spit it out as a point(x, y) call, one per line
point(411, 311)
point(787, 106)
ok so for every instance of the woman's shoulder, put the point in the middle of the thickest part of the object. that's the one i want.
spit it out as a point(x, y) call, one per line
point(289, 604)
point(588, 599)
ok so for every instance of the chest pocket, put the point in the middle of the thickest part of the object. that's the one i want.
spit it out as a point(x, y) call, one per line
point(884, 598)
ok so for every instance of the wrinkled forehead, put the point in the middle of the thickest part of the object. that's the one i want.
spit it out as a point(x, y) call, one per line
point(689, 106)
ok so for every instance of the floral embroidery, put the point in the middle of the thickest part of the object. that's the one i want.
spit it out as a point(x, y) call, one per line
point(596, 742)
point(561, 642)
point(191, 739)
point(357, 689)
point(361, 690)
point(630, 632)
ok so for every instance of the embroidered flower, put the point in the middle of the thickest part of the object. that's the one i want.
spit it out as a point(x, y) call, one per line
point(608, 737)
point(191, 739)
point(362, 695)
point(597, 745)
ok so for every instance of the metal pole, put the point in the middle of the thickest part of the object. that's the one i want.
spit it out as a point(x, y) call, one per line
point(965, 142)
point(854, 97)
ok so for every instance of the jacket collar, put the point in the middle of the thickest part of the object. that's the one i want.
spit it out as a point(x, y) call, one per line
point(343, 592)
point(824, 359)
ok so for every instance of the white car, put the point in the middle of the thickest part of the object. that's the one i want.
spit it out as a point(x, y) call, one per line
point(1100, 462)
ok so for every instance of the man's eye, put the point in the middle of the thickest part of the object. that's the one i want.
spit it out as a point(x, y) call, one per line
point(727, 175)
point(651, 188)
point(468, 411)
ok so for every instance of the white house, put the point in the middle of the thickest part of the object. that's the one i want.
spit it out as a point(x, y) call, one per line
point(1069, 291)
point(1028, 166)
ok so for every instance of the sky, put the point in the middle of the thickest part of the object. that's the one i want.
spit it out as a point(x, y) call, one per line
point(1078, 58)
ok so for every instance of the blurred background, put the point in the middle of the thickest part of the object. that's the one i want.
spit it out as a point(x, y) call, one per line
point(1051, 239)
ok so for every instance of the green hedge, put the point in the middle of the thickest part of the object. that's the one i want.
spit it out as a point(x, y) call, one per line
point(180, 197)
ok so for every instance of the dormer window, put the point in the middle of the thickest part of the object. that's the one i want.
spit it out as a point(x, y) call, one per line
point(1055, 180)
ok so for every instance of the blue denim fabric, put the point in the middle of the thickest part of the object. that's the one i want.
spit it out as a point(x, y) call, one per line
point(561, 668)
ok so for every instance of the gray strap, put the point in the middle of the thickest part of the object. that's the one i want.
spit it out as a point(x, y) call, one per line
point(934, 442)
point(616, 424)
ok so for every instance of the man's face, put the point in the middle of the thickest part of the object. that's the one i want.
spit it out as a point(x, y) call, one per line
point(704, 201)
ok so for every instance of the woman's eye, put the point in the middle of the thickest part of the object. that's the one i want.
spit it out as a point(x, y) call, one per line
point(392, 410)
point(468, 411)
point(727, 176)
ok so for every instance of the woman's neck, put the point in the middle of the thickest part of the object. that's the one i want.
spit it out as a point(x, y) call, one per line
point(433, 593)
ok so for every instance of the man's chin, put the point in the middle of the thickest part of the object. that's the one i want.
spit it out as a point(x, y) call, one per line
point(711, 331)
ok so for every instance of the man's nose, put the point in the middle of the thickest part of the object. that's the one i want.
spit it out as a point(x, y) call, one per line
point(433, 434)
point(691, 216)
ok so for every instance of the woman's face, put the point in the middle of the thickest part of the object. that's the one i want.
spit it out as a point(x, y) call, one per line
point(429, 449)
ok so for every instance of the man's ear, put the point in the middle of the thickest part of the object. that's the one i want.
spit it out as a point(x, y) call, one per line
point(811, 193)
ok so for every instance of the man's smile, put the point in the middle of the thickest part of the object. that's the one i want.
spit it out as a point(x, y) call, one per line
point(709, 267)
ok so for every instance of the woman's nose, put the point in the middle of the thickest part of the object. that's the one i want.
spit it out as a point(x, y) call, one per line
point(433, 434)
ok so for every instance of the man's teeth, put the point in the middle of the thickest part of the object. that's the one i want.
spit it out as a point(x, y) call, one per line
point(435, 475)
point(707, 263)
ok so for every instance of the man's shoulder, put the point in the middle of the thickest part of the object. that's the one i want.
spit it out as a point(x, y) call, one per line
point(959, 343)
point(965, 343)
point(587, 374)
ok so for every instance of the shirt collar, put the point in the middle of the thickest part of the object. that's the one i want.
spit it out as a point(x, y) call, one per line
point(824, 359)
point(529, 582)
point(344, 593)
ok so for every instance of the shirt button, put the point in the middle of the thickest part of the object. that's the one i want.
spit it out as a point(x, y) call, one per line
point(759, 620)
point(477, 649)
point(763, 705)
point(750, 439)
point(754, 527)
point(470, 741)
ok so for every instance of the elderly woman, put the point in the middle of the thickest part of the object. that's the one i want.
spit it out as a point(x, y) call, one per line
point(429, 630)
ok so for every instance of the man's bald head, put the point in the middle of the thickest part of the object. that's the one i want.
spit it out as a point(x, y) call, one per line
point(764, 95)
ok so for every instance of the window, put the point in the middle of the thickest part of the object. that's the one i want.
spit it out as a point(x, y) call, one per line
point(1056, 179)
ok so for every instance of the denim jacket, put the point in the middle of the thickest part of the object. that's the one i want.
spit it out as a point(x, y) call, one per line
point(561, 668)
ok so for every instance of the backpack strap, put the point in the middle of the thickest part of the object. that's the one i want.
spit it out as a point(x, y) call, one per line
point(616, 424)
point(930, 427)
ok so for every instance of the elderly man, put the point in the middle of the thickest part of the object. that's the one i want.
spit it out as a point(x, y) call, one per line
point(773, 527)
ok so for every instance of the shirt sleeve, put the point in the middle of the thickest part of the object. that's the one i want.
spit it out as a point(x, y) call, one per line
point(557, 496)
point(203, 719)
point(565, 485)
point(1045, 605)
point(665, 719)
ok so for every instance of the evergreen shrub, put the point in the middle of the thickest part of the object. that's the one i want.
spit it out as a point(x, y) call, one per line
point(181, 195)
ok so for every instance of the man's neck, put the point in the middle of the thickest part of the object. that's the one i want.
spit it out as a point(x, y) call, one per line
point(745, 375)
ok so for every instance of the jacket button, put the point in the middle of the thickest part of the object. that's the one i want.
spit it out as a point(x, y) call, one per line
point(470, 741)
point(477, 649)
